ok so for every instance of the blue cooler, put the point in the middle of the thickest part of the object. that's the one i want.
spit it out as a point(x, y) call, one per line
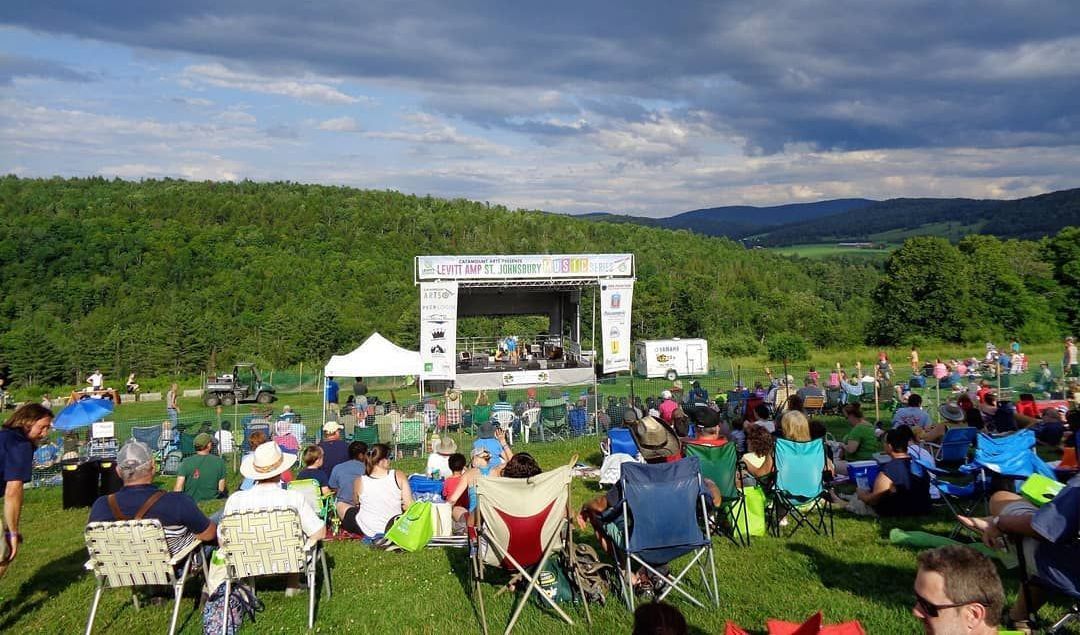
point(863, 473)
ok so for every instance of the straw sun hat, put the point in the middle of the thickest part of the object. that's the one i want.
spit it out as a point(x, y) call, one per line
point(267, 461)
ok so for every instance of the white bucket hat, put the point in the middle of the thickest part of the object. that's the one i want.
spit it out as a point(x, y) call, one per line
point(267, 461)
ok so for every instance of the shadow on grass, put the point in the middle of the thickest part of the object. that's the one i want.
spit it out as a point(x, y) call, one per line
point(47, 582)
point(882, 584)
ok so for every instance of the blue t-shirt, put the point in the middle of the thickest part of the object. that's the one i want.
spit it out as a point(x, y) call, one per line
point(332, 390)
point(317, 474)
point(342, 478)
point(172, 509)
point(493, 447)
point(912, 417)
point(1057, 557)
point(16, 457)
point(334, 454)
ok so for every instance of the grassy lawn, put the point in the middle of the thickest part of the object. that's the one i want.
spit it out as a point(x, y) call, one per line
point(831, 249)
point(856, 575)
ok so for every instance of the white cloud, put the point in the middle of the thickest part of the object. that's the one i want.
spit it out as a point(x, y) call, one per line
point(194, 101)
point(237, 117)
point(340, 124)
point(308, 88)
point(425, 129)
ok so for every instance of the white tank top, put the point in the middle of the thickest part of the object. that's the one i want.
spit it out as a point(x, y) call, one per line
point(380, 500)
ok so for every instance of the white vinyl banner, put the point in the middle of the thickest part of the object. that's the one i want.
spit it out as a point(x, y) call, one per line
point(532, 266)
point(616, 298)
point(438, 329)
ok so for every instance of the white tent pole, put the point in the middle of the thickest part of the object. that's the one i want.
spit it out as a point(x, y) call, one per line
point(323, 386)
point(596, 389)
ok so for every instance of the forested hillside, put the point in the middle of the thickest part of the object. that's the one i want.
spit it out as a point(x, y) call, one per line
point(164, 277)
point(170, 276)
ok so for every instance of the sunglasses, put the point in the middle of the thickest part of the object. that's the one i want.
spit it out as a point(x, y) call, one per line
point(929, 609)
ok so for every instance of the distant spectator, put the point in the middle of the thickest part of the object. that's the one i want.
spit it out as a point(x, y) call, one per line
point(897, 491)
point(697, 395)
point(438, 462)
point(131, 386)
point(912, 414)
point(460, 505)
point(172, 405)
point(284, 437)
point(96, 379)
point(761, 411)
point(359, 388)
point(202, 475)
point(795, 426)
point(332, 391)
point(760, 449)
point(708, 430)
point(1070, 360)
point(312, 459)
point(810, 389)
point(46, 400)
point(738, 434)
point(1051, 428)
point(861, 442)
point(667, 406)
point(335, 451)
point(224, 438)
point(345, 474)
point(381, 494)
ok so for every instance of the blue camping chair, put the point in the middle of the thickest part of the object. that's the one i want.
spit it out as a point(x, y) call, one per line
point(250, 427)
point(798, 490)
point(579, 420)
point(961, 493)
point(955, 446)
point(620, 441)
point(665, 515)
point(1010, 456)
point(151, 436)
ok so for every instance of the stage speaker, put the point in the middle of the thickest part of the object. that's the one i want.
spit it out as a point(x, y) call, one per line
point(532, 366)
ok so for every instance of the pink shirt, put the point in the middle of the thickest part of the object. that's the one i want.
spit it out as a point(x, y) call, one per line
point(667, 409)
point(940, 371)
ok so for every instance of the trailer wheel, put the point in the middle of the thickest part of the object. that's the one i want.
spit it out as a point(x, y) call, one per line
point(671, 374)
point(211, 400)
point(228, 399)
point(264, 398)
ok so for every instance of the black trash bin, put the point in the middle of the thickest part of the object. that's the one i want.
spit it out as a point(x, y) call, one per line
point(110, 480)
point(80, 484)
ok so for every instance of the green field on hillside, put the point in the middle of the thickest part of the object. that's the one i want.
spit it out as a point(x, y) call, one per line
point(829, 250)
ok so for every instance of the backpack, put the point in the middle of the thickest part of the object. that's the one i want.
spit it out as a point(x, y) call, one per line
point(242, 607)
point(655, 439)
point(172, 463)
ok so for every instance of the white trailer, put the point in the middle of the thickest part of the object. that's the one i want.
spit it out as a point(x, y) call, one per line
point(671, 358)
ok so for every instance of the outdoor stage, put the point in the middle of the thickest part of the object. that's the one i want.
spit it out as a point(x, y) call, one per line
point(455, 287)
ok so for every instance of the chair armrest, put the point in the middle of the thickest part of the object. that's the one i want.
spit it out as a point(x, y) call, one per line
point(88, 565)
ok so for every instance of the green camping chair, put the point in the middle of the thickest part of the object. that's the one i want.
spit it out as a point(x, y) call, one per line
point(720, 464)
point(369, 435)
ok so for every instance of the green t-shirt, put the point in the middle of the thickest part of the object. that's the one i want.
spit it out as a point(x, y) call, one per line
point(201, 475)
point(868, 442)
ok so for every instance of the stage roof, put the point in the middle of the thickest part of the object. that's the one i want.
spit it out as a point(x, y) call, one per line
point(531, 270)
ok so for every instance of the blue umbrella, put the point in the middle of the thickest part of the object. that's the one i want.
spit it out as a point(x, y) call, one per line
point(82, 413)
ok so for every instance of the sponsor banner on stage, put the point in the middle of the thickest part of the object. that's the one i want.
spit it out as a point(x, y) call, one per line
point(616, 298)
point(533, 266)
point(520, 377)
point(438, 329)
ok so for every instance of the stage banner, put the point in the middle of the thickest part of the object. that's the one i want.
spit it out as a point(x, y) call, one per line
point(528, 377)
point(616, 298)
point(531, 266)
point(438, 329)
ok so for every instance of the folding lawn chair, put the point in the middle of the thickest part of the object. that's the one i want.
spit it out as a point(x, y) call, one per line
point(666, 517)
point(254, 426)
point(132, 553)
point(620, 441)
point(578, 418)
point(410, 433)
point(269, 542)
point(529, 420)
point(954, 447)
point(720, 464)
point(520, 524)
point(322, 504)
point(961, 493)
point(370, 436)
point(798, 490)
point(814, 404)
point(1009, 457)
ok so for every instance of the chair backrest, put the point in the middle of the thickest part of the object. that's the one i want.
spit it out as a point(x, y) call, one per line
point(481, 414)
point(579, 419)
point(369, 436)
point(799, 467)
point(719, 464)
point(664, 503)
point(411, 432)
point(311, 490)
point(129, 552)
point(251, 427)
point(349, 423)
point(1011, 455)
point(151, 435)
point(814, 402)
point(522, 515)
point(263, 542)
point(956, 443)
point(530, 417)
point(504, 418)
point(621, 441)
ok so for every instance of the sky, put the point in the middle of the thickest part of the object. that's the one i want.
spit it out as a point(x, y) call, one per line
point(636, 107)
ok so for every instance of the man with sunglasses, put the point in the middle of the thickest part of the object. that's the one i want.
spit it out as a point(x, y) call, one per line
point(957, 590)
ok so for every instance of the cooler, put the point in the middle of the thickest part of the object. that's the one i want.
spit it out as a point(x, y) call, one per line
point(80, 484)
point(863, 473)
point(110, 480)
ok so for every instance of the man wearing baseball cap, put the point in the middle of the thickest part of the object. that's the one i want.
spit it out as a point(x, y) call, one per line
point(181, 518)
point(202, 475)
point(335, 450)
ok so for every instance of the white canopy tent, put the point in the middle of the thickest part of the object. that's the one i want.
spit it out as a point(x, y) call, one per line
point(376, 357)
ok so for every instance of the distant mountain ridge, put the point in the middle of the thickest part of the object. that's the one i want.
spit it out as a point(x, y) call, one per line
point(859, 219)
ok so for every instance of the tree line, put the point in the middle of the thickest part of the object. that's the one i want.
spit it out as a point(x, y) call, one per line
point(167, 277)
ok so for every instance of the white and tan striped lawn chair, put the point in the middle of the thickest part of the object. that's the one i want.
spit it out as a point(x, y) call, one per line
point(269, 542)
point(134, 553)
point(520, 524)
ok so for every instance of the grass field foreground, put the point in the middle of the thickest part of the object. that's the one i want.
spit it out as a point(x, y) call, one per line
point(856, 575)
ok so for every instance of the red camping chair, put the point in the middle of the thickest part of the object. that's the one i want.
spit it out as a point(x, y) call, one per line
point(520, 524)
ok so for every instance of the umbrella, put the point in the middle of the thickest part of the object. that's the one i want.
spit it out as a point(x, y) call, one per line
point(82, 413)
